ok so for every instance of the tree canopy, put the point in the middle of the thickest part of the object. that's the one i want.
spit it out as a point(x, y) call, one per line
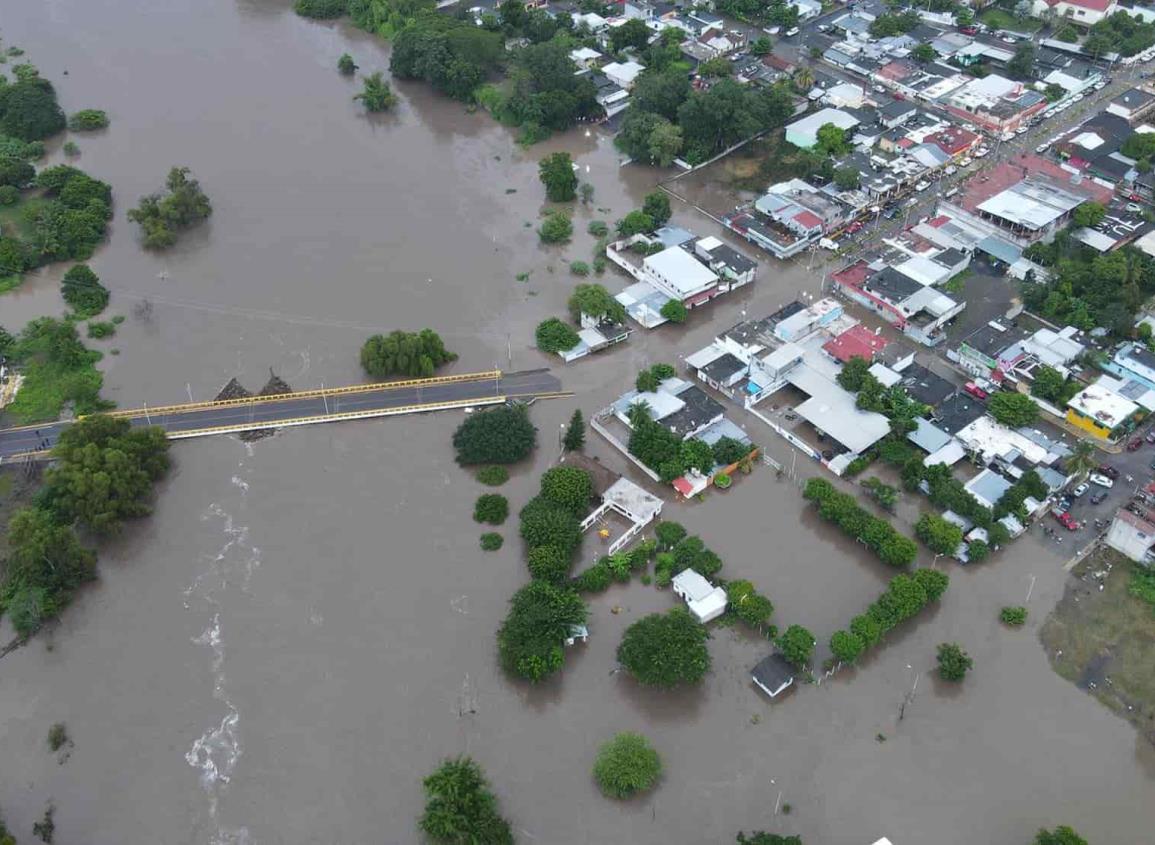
point(460, 809)
point(375, 95)
point(554, 335)
point(162, 216)
point(104, 472)
point(1061, 835)
point(556, 172)
point(412, 354)
point(633, 33)
point(568, 487)
point(597, 302)
point(940, 536)
point(82, 290)
point(29, 110)
point(531, 639)
point(501, 435)
point(575, 433)
point(953, 662)
point(797, 645)
point(88, 120)
point(665, 649)
point(1013, 409)
point(452, 55)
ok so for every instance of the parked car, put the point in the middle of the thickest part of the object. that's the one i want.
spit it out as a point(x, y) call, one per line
point(922, 185)
point(1134, 207)
point(891, 213)
point(855, 226)
point(1108, 471)
point(1101, 480)
point(969, 30)
point(1022, 130)
point(975, 391)
point(1080, 490)
point(1150, 438)
point(979, 153)
point(790, 33)
point(1134, 445)
point(1042, 148)
point(1066, 520)
point(1097, 498)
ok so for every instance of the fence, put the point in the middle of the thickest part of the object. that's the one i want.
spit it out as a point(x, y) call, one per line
point(596, 425)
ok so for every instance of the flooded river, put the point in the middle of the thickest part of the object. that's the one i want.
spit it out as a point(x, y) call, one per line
point(305, 626)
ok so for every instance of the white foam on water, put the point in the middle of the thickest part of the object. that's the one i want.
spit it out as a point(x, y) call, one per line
point(216, 753)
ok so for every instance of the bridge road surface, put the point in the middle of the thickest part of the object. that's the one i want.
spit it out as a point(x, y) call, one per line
point(271, 411)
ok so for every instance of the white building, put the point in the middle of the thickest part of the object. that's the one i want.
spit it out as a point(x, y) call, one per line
point(704, 600)
point(585, 57)
point(1085, 12)
point(1132, 536)
point(804, 132)
point(680, 276)
point(623, 73)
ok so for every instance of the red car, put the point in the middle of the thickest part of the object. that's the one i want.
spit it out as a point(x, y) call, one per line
point(968, 30)
point(1066, 520)
point(975, 391)
point(1134, 445)
point(855, 226)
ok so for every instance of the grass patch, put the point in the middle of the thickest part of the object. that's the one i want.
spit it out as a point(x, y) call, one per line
point(8, 283)
point(1001, 19)
point(766, 161)
point(47, 387)
point(1107, 638)
point(101, 329)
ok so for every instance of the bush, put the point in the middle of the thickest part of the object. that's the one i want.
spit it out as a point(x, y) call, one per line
point(598, 228)
point(549, 563)
point(82, 290)
point(101, 329)
point(751, 608)
point(493, 476)
point(345, 65)
point(459, 808)
point(321, 9)
point(88, 120)
point(627, 765)
point(722, 481)
point(9, 195)
point(412, 354)
point(57, 738)
point(568, 487)
point(978, 551)
point(953, 662)
point(846, 646)
point(502, 435)
point(940, 536)
point(162, 216)
point(544, 523)
point(1013, 409)
point(531, 639)
point(556, 228)
point(491, 541)
point(1014, 616)
point(665, 649)
point(595, 579)
point(727, 451)
point(579, 268)
point(553, 335)
point(492, 508)
point(879, 535)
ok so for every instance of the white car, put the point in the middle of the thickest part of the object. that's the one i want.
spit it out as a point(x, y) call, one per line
point(964, 161)
point(951, 170)
point(1078, 98)
point(980, 153)
point(1022, 130)
point(1099, 86)
point(1042, 148)
point(922, 186)
point(1101, 480)
point(1080, 490)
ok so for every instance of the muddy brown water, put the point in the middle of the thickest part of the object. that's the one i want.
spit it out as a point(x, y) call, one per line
point(305, 626)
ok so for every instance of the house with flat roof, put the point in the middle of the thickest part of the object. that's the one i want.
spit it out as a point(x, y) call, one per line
point(1132, 105)
point(679, 406)
point(705, 601)
point(773, 675)
point(1134, 362)
point(1132, 536)
point(991, 348)
point(1102, 412)
point(726, 261)
point(623, 74)
point(919, 311)
point(804, 131)
point(680, 276)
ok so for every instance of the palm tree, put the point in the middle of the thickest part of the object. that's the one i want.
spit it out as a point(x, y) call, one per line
point(803, 79)
point(1082, 459)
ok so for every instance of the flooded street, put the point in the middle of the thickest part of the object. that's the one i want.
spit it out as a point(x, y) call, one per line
point(306, 625)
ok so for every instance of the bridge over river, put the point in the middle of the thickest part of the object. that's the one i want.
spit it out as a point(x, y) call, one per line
point(362, 401)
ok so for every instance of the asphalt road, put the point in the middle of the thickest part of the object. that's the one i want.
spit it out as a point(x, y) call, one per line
point(263, 411)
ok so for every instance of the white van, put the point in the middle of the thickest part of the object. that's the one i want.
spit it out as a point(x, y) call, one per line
point(826, 243)
point(950, 193)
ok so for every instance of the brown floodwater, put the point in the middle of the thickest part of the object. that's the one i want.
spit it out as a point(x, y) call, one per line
point(305, 626)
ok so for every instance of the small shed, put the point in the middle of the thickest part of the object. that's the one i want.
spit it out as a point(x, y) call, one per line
point(773, 675)
point(704, 600)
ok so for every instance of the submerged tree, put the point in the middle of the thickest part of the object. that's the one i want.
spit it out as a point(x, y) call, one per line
point(459, 807)
point(161, 216)
point(376, 95)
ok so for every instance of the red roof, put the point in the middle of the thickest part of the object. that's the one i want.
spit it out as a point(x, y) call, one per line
point(941, 220)
point(808, 219)
point(856, 342)
point(905, 143)
point(954, 140)
point(683, 486)
point(979, 189)
point(854, 275)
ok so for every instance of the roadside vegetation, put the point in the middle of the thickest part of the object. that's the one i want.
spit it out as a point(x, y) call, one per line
point(163, 216)
point(104, 475)
point(408, 354)
point(905, 597)
point(501, 435)
point(58, 370)
point(877, 534)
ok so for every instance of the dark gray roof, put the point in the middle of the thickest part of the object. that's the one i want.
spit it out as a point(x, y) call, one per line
point(722, 368)
point(1133, 99)
point(957, 412)
point(950, 257)
point(897, 108)
point(990, 341)
point(925, 386)
point(892, 285)
point(774, 672)
point(733, 259)
point(699, 410)
point(1140, 354)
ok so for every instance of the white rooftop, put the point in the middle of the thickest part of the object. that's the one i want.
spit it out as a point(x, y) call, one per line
point(1103, 405)
point(582, 54)
point(833, 411)
point(624, 71)
point(1032, 203)
point(813, 122)
point(680, 270)
point(692, 585)
point(992, 439)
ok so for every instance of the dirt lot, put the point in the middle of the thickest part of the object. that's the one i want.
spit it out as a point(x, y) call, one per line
point(1102, 639)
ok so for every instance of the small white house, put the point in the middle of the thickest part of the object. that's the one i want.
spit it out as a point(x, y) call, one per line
point(704, 600)
point(623, 73)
